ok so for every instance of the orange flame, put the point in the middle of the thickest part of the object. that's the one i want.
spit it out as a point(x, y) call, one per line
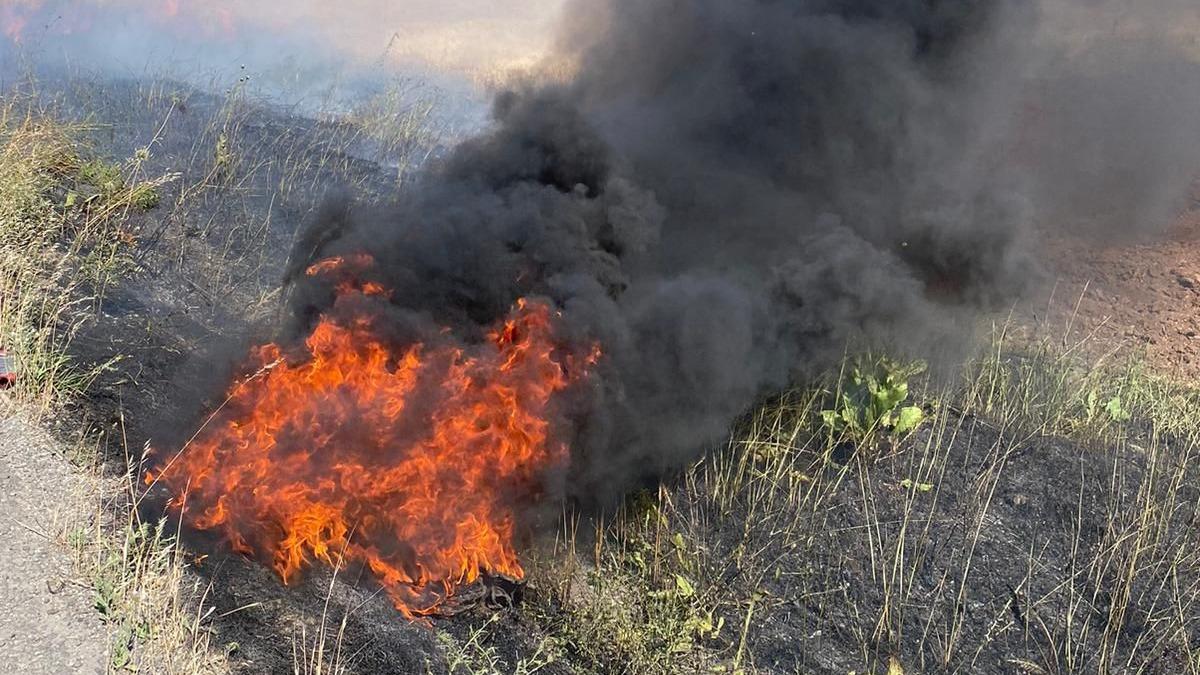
point(15, 15)
point(66, 17)
point(414, 462)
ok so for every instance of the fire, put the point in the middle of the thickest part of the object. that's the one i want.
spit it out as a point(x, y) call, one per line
point(414, 461)
point(15, 15)
point(210, 20)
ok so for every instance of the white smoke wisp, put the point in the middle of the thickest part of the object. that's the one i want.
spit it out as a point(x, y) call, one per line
point(472, 40)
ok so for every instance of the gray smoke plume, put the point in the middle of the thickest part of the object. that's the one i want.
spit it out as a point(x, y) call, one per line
point(1110, 126)
point(725, 196)
point(728, 195)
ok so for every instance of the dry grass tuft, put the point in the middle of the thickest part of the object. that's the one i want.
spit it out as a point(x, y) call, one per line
point(62, 241)
point(157, 613)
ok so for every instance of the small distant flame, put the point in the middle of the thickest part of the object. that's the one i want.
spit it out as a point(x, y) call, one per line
point(15, 15)
point(210, 20)
point(413, 461)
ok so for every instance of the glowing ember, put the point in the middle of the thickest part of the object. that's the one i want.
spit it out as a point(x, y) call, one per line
point(414, 462)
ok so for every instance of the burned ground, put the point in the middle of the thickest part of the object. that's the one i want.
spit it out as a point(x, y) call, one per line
point(987, 541)
point(967, 549)
point(1003, 552)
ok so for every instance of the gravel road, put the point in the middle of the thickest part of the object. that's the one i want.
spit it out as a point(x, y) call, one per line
point(47, 622)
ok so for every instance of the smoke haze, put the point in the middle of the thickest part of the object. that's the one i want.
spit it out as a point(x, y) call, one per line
point(289, 49)
point(728, 195)
point(1111, 118)
point(724, 195)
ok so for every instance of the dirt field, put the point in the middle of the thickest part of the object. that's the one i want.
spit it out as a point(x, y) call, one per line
point(1139, 298)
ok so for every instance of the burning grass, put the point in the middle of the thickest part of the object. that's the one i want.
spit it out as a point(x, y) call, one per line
point(75, 227)
point(416, 462)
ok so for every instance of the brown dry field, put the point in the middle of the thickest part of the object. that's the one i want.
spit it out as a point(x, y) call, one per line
point(1131, 298)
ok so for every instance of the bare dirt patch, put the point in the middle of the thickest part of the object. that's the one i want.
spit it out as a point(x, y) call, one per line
point(1140, 297)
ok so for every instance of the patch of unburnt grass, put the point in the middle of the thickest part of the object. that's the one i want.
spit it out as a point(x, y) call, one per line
point(49, 261)
point(159, 616)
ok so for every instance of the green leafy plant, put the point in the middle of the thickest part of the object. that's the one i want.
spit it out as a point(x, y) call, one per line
point(871, 400)
point(910, 484)
point(104, 177)
point(145, 196)
point(1103, 410)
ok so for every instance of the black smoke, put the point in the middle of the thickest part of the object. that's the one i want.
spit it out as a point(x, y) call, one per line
point(726, 195)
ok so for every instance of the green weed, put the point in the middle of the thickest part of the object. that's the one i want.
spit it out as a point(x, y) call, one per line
point(871, 399)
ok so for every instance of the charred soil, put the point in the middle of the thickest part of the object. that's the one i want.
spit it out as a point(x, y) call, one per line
point(980, 543)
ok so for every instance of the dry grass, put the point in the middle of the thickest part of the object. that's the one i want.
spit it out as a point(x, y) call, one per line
point(36, 288)
point(62, 242)
point(782, 517)
point(692, 575)
point(157, 613)
point(323, 653)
